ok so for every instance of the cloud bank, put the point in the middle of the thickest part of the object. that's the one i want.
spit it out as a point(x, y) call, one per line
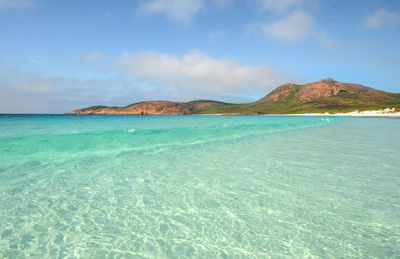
point(25, 92)
point(199, 72)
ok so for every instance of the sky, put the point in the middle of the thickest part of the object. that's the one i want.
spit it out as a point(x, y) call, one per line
point(58, 55)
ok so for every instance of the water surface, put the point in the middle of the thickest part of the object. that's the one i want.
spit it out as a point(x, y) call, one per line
point(199, 186)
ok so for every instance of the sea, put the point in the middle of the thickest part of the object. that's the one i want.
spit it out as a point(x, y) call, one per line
point(121, 186)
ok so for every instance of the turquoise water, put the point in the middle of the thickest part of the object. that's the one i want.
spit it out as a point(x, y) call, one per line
point(199, 187)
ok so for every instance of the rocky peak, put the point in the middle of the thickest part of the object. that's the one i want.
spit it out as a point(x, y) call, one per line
point(305, 93)
point(327, 80)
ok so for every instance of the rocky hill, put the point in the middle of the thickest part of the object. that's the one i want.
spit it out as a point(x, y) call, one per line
point(151, 108)
point(326, 95)
point(327, 92)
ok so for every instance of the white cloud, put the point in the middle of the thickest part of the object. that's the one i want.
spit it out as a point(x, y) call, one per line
point(90, 57)
point(180, 11)
point(16, 4)
point(293, 25)
point(196, 71)
point(294, 28)
point(279, 6)
point(380, 18)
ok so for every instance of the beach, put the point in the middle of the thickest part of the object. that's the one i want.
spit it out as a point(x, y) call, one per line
point(367, 113)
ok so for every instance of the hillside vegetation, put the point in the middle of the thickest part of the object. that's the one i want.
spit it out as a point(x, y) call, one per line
point(323, 96)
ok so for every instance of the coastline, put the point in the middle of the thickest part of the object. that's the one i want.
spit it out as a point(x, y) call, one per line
point(368, 113)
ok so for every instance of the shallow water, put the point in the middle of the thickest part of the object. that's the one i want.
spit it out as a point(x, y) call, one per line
point(199, 186)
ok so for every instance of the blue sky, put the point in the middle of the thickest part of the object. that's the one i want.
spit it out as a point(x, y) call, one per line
point(58, 55)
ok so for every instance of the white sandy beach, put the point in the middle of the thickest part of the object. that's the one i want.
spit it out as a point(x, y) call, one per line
point(368, 113)
point(388, 112)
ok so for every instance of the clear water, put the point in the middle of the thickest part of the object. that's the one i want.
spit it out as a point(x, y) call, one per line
point(199, 187)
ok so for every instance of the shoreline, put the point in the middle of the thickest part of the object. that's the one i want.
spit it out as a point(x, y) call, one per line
point(368, 113)
point(340, 115)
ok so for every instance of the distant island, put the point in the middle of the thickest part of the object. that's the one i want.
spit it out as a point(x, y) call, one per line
point(324, 96)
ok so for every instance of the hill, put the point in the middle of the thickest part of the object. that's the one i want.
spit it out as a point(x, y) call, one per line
point(326, 95)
